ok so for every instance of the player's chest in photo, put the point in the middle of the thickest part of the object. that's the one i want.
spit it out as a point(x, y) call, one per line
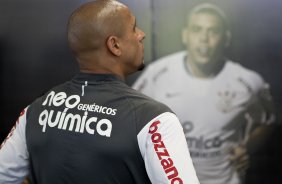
point(232, 95)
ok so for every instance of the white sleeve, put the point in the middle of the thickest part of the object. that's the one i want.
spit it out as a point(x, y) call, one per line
point(144, 83)
point(164, 149)
point(261, 110)
point(14, 155)
point(266, 101)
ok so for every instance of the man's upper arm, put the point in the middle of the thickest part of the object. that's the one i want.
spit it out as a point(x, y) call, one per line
point(13, 153)
point(164, 149)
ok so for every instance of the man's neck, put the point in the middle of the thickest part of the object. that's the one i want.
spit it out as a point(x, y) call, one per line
point(207, 71)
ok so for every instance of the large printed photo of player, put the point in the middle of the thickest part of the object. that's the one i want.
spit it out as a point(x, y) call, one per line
point(224, 102)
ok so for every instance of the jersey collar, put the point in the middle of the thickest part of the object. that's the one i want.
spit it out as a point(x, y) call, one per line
point(93, 77)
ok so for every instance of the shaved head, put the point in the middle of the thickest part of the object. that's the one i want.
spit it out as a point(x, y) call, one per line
point(91, 24)
point(104, 38)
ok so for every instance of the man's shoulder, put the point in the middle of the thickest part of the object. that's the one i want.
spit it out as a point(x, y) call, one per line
point(144, 103)
point(242, 70)
point(243, 73)
point(55, 89)
point(145, 108)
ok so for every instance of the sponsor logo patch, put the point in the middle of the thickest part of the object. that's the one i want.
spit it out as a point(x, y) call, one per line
point(163, 155)
point(74, 122)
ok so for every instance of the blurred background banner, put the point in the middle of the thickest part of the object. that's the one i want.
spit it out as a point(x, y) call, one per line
point(35, 56)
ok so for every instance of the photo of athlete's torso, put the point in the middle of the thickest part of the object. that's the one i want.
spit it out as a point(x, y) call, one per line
point(216, 113)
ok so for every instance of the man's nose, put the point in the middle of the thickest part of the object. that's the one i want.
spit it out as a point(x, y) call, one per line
point(204, 36)
point(141, 34)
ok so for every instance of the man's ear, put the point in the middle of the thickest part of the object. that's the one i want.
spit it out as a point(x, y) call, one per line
point(113, 45)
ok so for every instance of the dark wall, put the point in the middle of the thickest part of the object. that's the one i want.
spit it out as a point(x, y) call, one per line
point(33, 52)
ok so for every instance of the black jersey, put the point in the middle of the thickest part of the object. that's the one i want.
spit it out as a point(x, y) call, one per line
point(95, 129)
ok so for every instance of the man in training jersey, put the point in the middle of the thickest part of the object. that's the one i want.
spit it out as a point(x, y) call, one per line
point(94, 128)
point(222, 106)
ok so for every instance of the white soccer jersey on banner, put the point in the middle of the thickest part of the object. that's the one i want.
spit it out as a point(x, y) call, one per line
point(216, 113)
